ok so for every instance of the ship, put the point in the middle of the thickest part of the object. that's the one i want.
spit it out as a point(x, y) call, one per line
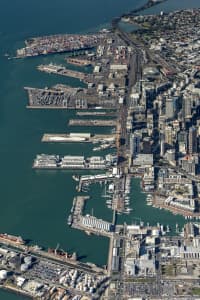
point(61, 254)
point(4, 237)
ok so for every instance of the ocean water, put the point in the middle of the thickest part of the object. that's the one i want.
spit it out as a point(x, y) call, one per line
point(35, 204)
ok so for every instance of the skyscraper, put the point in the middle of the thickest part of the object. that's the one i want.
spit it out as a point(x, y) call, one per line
point(192, 140)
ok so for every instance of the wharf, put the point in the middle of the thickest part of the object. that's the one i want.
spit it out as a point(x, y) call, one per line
point(78, 122)
point(175, 210)
point(60, 70)
point(159, 202)
point(118, 201)
point(90, 224)
point(61, 97)
point(90, 179)
point(77, 138)
point(59, 43)
point(70, 162)
point(79, 62)
point(96, 113)
point(90, 231)
point(67, 260)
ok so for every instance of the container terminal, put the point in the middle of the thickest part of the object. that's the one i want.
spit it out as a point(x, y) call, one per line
point(65, 97)
point(44, 161)
point(157, 133)
point(58, 44)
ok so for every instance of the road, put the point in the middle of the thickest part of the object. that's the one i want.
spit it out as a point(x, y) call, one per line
point(134, 75)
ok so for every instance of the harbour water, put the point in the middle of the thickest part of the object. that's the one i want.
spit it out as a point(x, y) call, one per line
point(35, 204)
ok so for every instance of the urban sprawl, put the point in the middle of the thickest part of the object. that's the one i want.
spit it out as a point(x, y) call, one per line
point(145, 86)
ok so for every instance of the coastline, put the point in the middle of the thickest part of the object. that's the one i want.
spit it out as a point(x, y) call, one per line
point(137, 10)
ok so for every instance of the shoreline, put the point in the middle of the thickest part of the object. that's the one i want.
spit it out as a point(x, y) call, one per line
point(147, 5)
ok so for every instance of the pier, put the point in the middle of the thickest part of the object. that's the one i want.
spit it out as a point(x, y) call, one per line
point(96, 113)
point(90, 224)
point(57, 97)
point(62, 96)
point(101, 123)
point(91, 179)
point(60, 70)
point(79, 62)
point(71, 162)
point(78, 138)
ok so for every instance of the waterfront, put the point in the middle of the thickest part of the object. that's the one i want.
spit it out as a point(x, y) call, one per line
point(36, 203)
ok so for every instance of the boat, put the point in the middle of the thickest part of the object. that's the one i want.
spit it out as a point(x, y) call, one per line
point(128, 209)
point(76, 177)
point(96, 149)
point(69, 220)
point(109, 202)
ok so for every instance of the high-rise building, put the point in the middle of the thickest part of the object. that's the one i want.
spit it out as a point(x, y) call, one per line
point(187, 108)
point(162, 145)
point(190, 164)
point(171, 156)
point(168, 135)
point(135, 144)
point(170, 107)
point(192, 140)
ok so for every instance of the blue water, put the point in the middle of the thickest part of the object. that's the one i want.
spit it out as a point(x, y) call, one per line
point(35, 204)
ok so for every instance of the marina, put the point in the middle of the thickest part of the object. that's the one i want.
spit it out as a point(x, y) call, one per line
point(53, 187)
point(117, 188)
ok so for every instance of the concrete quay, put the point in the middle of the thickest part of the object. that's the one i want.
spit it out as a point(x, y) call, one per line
point(79, 62)
point(159, 202)
point(101, 123)
point(96, 113)
point(60, 70)
point(39, 276)
point(90, 224)
point(59, 43)
point(91, 179)
point(77, 138)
